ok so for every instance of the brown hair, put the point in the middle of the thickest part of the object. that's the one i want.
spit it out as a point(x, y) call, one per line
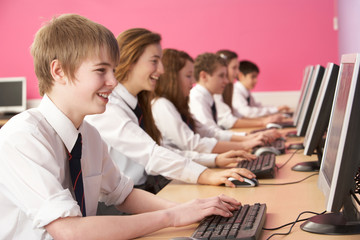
point(227, 94)
point(169, 85)
point(70, 39)
point(207, 62)
point(132, 44)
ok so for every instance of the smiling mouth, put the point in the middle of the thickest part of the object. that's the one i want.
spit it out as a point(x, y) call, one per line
point(104, 95)
point(154, 77)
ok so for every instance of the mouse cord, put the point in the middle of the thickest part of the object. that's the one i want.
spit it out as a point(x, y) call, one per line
point(288, 183)
point(292, 155)
point(291, 223)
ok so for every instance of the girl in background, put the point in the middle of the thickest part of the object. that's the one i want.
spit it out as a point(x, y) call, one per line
point(224, 104)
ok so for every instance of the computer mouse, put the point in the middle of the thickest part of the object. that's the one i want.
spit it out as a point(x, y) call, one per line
point(273, 125)
point(246, 183)
point(266, 150)
point(296, 146)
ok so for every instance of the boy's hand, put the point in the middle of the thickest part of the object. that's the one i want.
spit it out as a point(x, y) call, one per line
point(283, 109)
point(268, 136)
point(216, 177)
point(226, 158)
point(195, 210)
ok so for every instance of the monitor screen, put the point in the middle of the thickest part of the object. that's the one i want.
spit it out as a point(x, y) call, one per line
point(304, 87)
point(12, 95)
point(341, 158)
point(309, 100)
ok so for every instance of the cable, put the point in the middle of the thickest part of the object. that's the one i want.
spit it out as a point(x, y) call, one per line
point(292, 155)
point(288, 183)
point(292, 224)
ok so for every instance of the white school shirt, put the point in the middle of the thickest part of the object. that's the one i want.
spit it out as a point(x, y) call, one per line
point(175, 132)
point(136, 153)
point(240, 104)
point(35, 182)
point(200, 102)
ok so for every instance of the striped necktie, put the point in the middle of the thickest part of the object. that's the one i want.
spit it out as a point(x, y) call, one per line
point(76, 174)
point(213, 110)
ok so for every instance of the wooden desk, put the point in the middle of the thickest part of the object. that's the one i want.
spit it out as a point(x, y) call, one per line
point(3, 121)
point(284, 202)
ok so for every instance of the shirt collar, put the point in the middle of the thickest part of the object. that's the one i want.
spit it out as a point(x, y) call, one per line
point(243, 88)
point(59, 122)
point(120, 91)
point(209, 98)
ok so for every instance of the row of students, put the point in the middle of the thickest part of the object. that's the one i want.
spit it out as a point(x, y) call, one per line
point(75, 68)
point(74, 61)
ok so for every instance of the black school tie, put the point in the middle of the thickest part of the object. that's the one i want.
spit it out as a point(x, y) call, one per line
point(139, 114)
point(248, 100)
point(76, 174)
point(186, 120)
point(213, 110)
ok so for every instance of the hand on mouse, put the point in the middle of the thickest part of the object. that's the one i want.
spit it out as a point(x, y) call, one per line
point(216, 177)
point(195, 210)
point(234, 156)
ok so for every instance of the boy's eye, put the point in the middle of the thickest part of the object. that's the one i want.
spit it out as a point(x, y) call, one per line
point(101, 70)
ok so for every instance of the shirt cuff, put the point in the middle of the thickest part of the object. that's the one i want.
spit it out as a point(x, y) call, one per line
point(192, 172)
point(59, 205)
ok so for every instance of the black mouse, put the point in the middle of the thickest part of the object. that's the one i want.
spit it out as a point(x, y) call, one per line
point(246, 183)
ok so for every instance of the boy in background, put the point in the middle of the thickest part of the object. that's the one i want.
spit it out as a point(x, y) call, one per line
point(54, 167)
point(243, 102)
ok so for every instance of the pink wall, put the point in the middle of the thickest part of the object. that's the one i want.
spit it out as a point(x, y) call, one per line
point(281, 36)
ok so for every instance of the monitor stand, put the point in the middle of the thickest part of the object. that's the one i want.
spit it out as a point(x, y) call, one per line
point(345, 222)
point(311, 166)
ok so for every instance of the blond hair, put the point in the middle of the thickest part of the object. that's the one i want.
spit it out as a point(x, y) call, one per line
point(70, 39)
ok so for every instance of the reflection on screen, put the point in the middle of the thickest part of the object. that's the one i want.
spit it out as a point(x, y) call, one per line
point(337, 121)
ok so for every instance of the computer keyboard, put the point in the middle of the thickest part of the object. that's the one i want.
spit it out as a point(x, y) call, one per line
point(263, 166)
point(246, 223)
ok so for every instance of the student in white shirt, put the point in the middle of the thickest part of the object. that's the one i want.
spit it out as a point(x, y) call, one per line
point(137, 73)
point(171, 110)
point(243, 101)
point(227, 112)
point(210, 74)
point(37, 201)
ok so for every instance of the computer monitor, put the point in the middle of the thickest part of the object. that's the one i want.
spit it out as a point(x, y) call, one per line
point(12, 95)
point(309, 100)
point(319, 121)
point(341, 159)
point(304, 86)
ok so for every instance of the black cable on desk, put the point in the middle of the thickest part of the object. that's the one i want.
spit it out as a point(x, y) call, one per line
point(288, 183)
point(292, 155)
point(291, 223)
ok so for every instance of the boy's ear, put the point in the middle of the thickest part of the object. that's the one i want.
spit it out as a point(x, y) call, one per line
point(57, 72)
point(203, 76)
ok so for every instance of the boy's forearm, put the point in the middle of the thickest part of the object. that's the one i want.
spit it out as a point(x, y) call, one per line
point(140, 201)
point(109, 227)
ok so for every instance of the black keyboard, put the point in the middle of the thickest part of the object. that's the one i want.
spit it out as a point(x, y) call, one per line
point(263, 166)
point(246, 223)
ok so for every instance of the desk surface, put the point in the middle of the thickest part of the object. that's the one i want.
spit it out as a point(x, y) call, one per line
point(284, 202)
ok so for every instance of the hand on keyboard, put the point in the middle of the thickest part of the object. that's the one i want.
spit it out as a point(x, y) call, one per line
point(224, 159)
point(195, 210)
point(216, 177)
